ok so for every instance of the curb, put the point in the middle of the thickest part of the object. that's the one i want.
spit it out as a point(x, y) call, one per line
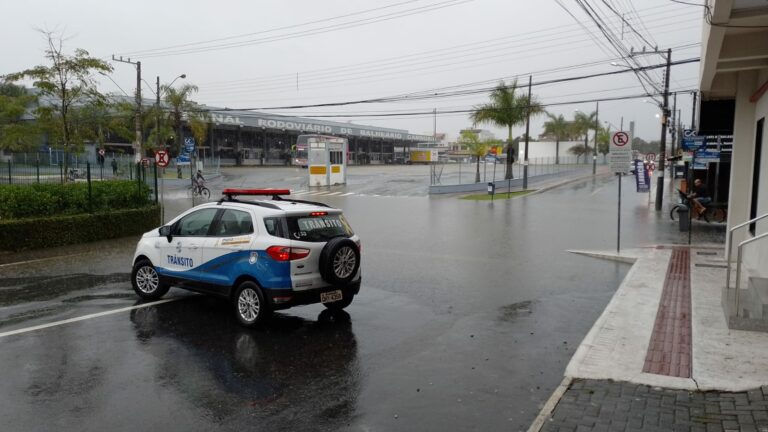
point(550, 405)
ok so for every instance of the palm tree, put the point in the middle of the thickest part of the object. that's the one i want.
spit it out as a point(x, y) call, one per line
point(560, 129)
point(581, 125)
point(506, 109)
point(476, 148)
point(179, 100)
point(603, 140)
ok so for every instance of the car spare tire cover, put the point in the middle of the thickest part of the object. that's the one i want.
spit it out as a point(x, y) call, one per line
point(339, 248)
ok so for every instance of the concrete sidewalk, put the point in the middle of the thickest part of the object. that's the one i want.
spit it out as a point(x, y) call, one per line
point(661, 356)
point(659, 348)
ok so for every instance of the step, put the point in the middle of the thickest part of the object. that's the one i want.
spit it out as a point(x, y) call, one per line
point(751, 317)
point(758, 288)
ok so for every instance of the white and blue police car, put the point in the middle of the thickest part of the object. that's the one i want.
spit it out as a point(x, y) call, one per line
point(262, 255)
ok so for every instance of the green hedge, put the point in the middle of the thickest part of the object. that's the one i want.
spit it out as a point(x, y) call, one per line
point(42, 200)
point(53, 231)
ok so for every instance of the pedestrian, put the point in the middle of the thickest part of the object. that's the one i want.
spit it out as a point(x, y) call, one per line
point(114, 167)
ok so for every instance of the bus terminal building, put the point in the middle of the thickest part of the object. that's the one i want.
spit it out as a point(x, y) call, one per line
point(254, 138)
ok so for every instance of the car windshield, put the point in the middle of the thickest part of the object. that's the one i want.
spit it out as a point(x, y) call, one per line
point(318, 228)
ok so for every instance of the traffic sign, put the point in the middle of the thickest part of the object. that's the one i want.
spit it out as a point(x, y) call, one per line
point(620, 139)
point(161, 158)
point(101, 151)
point(183, 160)
point(620, 153)
point(650, 157)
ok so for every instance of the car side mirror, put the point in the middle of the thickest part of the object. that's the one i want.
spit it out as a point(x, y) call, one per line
point(165, 231)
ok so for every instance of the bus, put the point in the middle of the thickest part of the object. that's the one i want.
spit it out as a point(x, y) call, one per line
point(300, 153)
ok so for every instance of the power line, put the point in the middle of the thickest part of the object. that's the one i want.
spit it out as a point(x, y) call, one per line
point(311, 32)
point(422, 95)
point(324, 20)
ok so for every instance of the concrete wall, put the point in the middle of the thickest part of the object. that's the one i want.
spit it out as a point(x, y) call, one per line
point(546, 149)
point(756, 257)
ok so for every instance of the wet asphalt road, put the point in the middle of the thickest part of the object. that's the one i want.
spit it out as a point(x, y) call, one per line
point(468, 314)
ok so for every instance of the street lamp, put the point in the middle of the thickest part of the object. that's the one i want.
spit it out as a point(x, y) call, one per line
point(158, 93)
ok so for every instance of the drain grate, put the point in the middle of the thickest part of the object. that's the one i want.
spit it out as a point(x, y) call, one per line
point(711, 265)
point(705, 253)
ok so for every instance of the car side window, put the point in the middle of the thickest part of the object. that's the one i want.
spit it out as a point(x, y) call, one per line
point(274, 226)
point(195, 224)
point(234, 223)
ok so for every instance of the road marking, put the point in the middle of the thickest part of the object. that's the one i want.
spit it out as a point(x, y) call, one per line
point(300, 193)
point(333, 193)
point(42, 259)
point(85, 317)
point(596, 191)
point(348, 194)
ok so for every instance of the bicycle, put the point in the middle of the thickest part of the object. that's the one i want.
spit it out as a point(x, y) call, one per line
point(713, 212)
point(199, 190)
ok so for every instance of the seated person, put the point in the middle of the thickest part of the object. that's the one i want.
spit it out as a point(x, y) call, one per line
point(699, 197)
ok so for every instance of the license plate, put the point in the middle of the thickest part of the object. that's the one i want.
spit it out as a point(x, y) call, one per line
point(330, 296)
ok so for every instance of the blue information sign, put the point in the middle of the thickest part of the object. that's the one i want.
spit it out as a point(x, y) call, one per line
point(183, 160)
point(642, 180)
point(691, 141)
point(189, 144)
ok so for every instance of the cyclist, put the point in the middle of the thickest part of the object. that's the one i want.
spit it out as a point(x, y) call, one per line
point(199, 181)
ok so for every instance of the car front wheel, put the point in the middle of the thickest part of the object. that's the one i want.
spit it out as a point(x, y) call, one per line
point(146, 282)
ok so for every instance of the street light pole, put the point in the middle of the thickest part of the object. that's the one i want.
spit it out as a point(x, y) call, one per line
point(663, 145)
point(527, 131)
point(597, 130)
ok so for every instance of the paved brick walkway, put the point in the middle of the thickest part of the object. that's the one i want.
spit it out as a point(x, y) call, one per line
point(599, 405)
point(669, 351)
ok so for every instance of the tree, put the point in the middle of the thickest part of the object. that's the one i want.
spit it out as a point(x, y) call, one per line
point(559, 128)
point(199, 125)
point(476, 148)
point(16, 131)
point(581, 125)
point(506, 109)
point(181, 106)
point(603, 141)
point(578, 151)
point(69, 85)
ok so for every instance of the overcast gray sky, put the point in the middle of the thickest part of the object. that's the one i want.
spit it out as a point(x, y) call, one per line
point(244, 53)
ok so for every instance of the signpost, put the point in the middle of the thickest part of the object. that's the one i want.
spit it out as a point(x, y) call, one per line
point(161, 158)
point(620, 154)
point(650, 157)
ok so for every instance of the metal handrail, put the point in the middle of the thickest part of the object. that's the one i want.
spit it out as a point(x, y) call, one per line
point(730, 247)
point(738, 264)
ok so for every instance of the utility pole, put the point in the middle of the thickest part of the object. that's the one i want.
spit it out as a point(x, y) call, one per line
point(672, 153)
point(693, 110)
point(663, 146)
point(137, 143)
point(157, 114)
point(597, 131)
point(527, 131)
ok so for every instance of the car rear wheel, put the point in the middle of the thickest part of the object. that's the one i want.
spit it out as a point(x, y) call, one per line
point(250, 307)
point(339, 261)
point(146, 282)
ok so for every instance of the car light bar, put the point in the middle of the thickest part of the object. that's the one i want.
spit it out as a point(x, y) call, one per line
point(256, 192)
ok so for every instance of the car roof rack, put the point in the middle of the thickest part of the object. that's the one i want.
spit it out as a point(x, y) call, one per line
point(230, 193)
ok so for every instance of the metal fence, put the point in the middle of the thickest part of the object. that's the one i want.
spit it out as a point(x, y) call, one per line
point(491, 170)
point(33, 168)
